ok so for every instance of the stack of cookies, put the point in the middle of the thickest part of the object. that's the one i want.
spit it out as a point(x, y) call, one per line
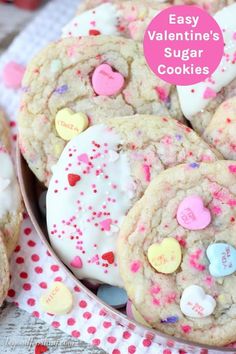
point(140, 174)
point(10, 207)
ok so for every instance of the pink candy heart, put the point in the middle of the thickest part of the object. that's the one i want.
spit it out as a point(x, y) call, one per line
point(192, 214)
point(106, 82)
point(12, 74)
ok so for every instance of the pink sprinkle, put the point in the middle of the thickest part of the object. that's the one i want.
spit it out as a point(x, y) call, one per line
point(232, 202)
point(232, 168)
point(196, 265)
point(208, 280)
point(209, 93)
point(106, 224)
point(71, 51)
point(135, 266)
point(141, 228)
point(162, 93)
point(216, 210)
point(83, 158)
point(234, 36)
point(146, 169)
point(196, 254)
point(171, 298)
point(77, 262)
point(181, 241)
point(155, 289)
point(186, 328)
point(156, 302)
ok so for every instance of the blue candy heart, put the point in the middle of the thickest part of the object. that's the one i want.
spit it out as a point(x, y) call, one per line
point(112, 295)
point(222, 257)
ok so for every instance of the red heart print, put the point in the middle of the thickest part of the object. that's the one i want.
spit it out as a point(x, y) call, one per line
point(109, 257)
point(73, 179)
point(40, 349)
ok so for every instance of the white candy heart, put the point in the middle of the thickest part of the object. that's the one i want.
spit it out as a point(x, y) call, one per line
point(196, 303)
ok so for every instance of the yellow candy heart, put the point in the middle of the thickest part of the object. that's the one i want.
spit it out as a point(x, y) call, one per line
point(58, 300)
point(166, 256)
point(138, 317)
point(70, 124)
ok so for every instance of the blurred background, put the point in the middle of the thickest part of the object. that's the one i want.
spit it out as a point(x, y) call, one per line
point(14, 16)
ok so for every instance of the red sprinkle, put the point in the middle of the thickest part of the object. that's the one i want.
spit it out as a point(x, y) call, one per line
point(94, 32)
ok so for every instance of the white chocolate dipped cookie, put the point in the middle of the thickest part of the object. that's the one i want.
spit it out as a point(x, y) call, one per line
point(100, 175)
point(117, 18)
point(10, 197)
point(199, 102)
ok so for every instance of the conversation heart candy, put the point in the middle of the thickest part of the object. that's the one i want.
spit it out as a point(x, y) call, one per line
point(107, 82)
point(70, 124)
point(112, 295)
point(196, 303)
point(192, 214)
point(166, 256)
point(58, 300)
point(222, 257)
point(12, 74)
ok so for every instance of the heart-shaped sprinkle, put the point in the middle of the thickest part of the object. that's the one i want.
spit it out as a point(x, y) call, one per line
point(13, 74)
point(222, 257)
point(109, 257)
point(106, 224)
point(94, 32)
point(166, 256)
point(77, 262)
point(40, 349)
point(107, 82)
point(58, 299)
point(73, 179)
point(209, 93)
point(83, 158)
point(70, 124)
point(192, 214)
point(112, 295)
point(196, 303)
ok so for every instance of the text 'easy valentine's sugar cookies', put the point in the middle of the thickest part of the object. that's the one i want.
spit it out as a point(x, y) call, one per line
point(98, 77)
point(100, 175)
point(177, 252)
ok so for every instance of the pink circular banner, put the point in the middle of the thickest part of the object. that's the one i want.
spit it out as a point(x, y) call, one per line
point(183, 45)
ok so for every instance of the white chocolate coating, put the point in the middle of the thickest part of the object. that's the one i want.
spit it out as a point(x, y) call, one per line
point(193, 98)
point(103, 18)
point(9, 193)
point(84, 219)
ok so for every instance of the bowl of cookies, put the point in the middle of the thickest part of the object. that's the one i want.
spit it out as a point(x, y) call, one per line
point(133, 192)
